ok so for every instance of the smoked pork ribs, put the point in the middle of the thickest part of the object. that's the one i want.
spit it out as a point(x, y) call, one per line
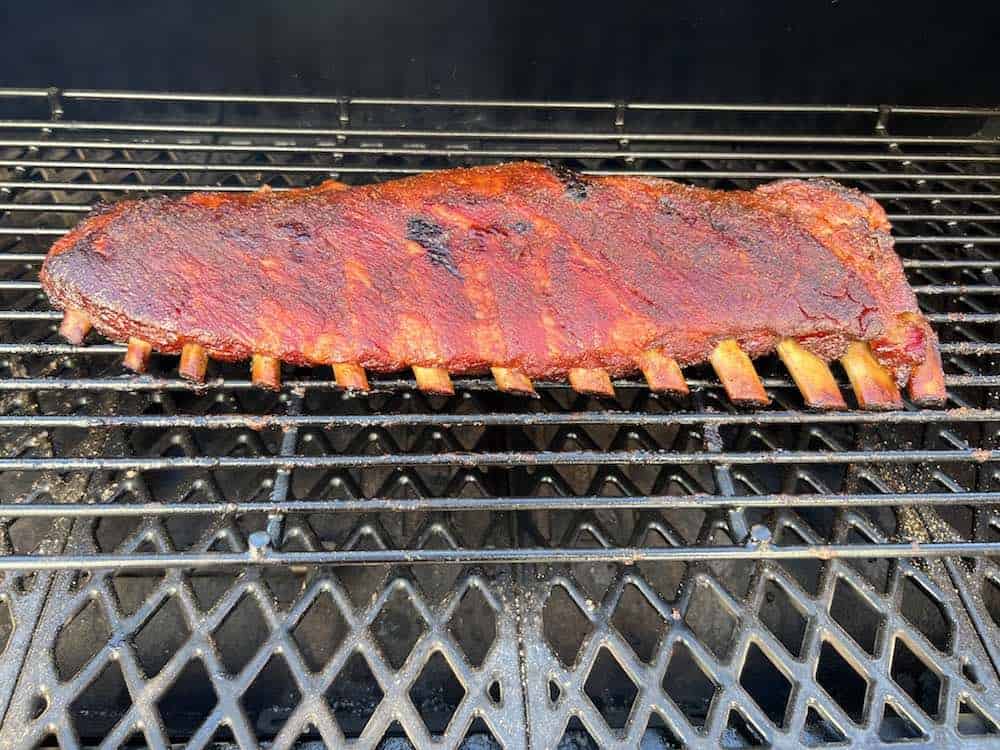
point(525, 270)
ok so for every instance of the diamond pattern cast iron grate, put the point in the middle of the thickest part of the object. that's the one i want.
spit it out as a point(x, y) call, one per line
point(191, 567)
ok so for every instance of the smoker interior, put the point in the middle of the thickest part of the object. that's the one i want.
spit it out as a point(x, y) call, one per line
point(222, 565)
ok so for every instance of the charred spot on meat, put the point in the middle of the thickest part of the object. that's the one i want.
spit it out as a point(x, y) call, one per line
point(434, 239)
point(575, 184)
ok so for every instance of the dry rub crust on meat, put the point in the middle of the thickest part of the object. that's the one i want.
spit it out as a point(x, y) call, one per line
point(526, 269)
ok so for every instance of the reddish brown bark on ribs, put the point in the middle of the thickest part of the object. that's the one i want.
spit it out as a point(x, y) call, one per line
point(520, 266)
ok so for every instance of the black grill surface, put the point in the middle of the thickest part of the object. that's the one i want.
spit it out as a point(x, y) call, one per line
point(196, 566)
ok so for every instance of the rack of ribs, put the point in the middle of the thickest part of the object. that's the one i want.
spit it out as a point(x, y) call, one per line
point(529, 271)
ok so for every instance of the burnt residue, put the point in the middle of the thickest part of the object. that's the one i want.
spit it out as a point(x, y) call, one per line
point(521, 227)
point(576, 185)
point(668, 207)
point(676, 211)
point(434, 239)
point(294, 230)
point(101, 207)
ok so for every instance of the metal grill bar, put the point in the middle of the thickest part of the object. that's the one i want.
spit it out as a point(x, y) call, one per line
point(507, 459)
point(508, 503)
point(146, 383)
point(213, 148)
point(499, 135)
point(228, 421)
point(339, 150)
point(690, 174)
point(521, 555)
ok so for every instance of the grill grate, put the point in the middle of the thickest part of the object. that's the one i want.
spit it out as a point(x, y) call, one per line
point(188, 565)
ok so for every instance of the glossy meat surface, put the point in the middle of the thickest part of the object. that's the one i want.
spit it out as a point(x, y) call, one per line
point(519, 266)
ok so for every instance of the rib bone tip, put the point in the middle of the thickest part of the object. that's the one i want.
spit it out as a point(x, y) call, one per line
point(873, 384)
point(137, 355)
point(433, 380)
point(662, 373)
point(926, 385)
point(265, 371)
point(812, 376)
point(513, 381)
point(737, 374)
point(593, 382)
point(194, 362)
point(75, 326)
point(350, 376)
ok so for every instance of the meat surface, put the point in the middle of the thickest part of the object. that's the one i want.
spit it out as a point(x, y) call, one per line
point(525, 267)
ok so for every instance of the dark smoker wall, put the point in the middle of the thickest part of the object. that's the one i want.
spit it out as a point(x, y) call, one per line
point(710, 50)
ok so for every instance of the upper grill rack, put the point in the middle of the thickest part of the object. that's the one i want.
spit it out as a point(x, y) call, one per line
point(556, 510)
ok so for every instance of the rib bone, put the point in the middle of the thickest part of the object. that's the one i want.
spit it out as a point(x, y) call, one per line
point(266, 371)
point(433, 380)
point(513, 381)
point(351, 377)
point(137, 354)
point(194, 362)
point(873, 384)
point(75, 326)
point(926, 384)
point(812, 376)
point(592, 382)
point(737, 374)
point(662, 372)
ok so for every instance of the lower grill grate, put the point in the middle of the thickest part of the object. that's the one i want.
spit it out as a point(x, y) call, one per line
point(192, 566)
